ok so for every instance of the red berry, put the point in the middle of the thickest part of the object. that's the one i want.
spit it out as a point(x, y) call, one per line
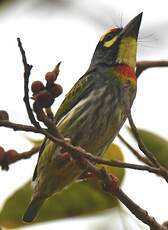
point(50, 77)
point(56, 90)
point(11, 155)
point(44, 99)
point(2, 153)
point(37, 86)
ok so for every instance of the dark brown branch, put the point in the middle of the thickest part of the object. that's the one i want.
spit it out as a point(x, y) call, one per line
point(142, 147)
point(49, 123)
point(27, 71)
point(135, 152)
point(79, 151)
point(140, 213)
point(11, 156)
point(49, 113)
point(111, 186)
point(18, 127)
point(144, 65)
point(114, 163)
point(119, 164)
point(82, 153)
point(25, 155)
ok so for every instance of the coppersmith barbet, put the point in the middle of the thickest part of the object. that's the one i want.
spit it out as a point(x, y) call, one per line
point(92, 113)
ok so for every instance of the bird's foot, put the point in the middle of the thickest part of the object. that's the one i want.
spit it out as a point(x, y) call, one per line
point(86, 176)
point(110, 182)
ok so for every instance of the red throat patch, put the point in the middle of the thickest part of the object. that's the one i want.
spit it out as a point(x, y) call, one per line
point(126, 71)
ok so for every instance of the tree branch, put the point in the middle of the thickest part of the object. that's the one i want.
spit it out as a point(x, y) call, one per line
point(141, 145)
point(27, 72)
point(111, 186)
point(11, 156)
point(148, 154)
point(144, 65)
point(140, 213)
point(81, 152)
point(19, 127)
point(26, 154)
point(135, 152)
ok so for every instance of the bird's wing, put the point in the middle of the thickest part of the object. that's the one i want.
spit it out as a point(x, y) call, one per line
point(82, 87)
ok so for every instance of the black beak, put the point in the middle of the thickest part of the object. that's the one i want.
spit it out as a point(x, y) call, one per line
point(132, 28)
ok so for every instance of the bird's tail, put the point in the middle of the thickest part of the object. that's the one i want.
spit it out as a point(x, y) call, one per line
point(33, 209)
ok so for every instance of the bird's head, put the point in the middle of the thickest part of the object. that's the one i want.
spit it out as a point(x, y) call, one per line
point(118, 45)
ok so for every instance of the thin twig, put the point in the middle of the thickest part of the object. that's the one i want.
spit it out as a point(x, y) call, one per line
point(120, 164)
point(140, 213)
point(49, 113)
point(79, 151)
point(27, 71)
point(26, 155)
point(141, 145)
point(111, 186)
point(49, 123)
point(144, 65)
point(12, 156)
point(19, 127)
point(143, 148)
point(135, 152)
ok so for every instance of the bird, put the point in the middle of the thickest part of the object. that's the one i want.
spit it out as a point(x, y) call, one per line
point(92, 113)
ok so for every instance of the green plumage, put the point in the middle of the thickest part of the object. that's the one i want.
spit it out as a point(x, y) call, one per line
point(91, 115)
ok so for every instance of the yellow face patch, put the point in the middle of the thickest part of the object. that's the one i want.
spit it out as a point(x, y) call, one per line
point(127, 51)
point(110, 42)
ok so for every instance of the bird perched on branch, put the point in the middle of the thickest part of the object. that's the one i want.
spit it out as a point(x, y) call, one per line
point(92, 113)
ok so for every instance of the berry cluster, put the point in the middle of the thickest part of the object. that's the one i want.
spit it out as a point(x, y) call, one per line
point(7, 157)
point(45, 95)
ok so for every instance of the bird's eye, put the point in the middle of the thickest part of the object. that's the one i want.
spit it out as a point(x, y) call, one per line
point(110, 42)
point(109, 36)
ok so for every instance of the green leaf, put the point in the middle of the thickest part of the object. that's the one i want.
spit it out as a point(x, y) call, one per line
point(156, 144)
point(113, 152)
point(83, 198)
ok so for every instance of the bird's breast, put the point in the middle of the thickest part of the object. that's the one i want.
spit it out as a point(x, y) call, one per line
point(96, 120)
